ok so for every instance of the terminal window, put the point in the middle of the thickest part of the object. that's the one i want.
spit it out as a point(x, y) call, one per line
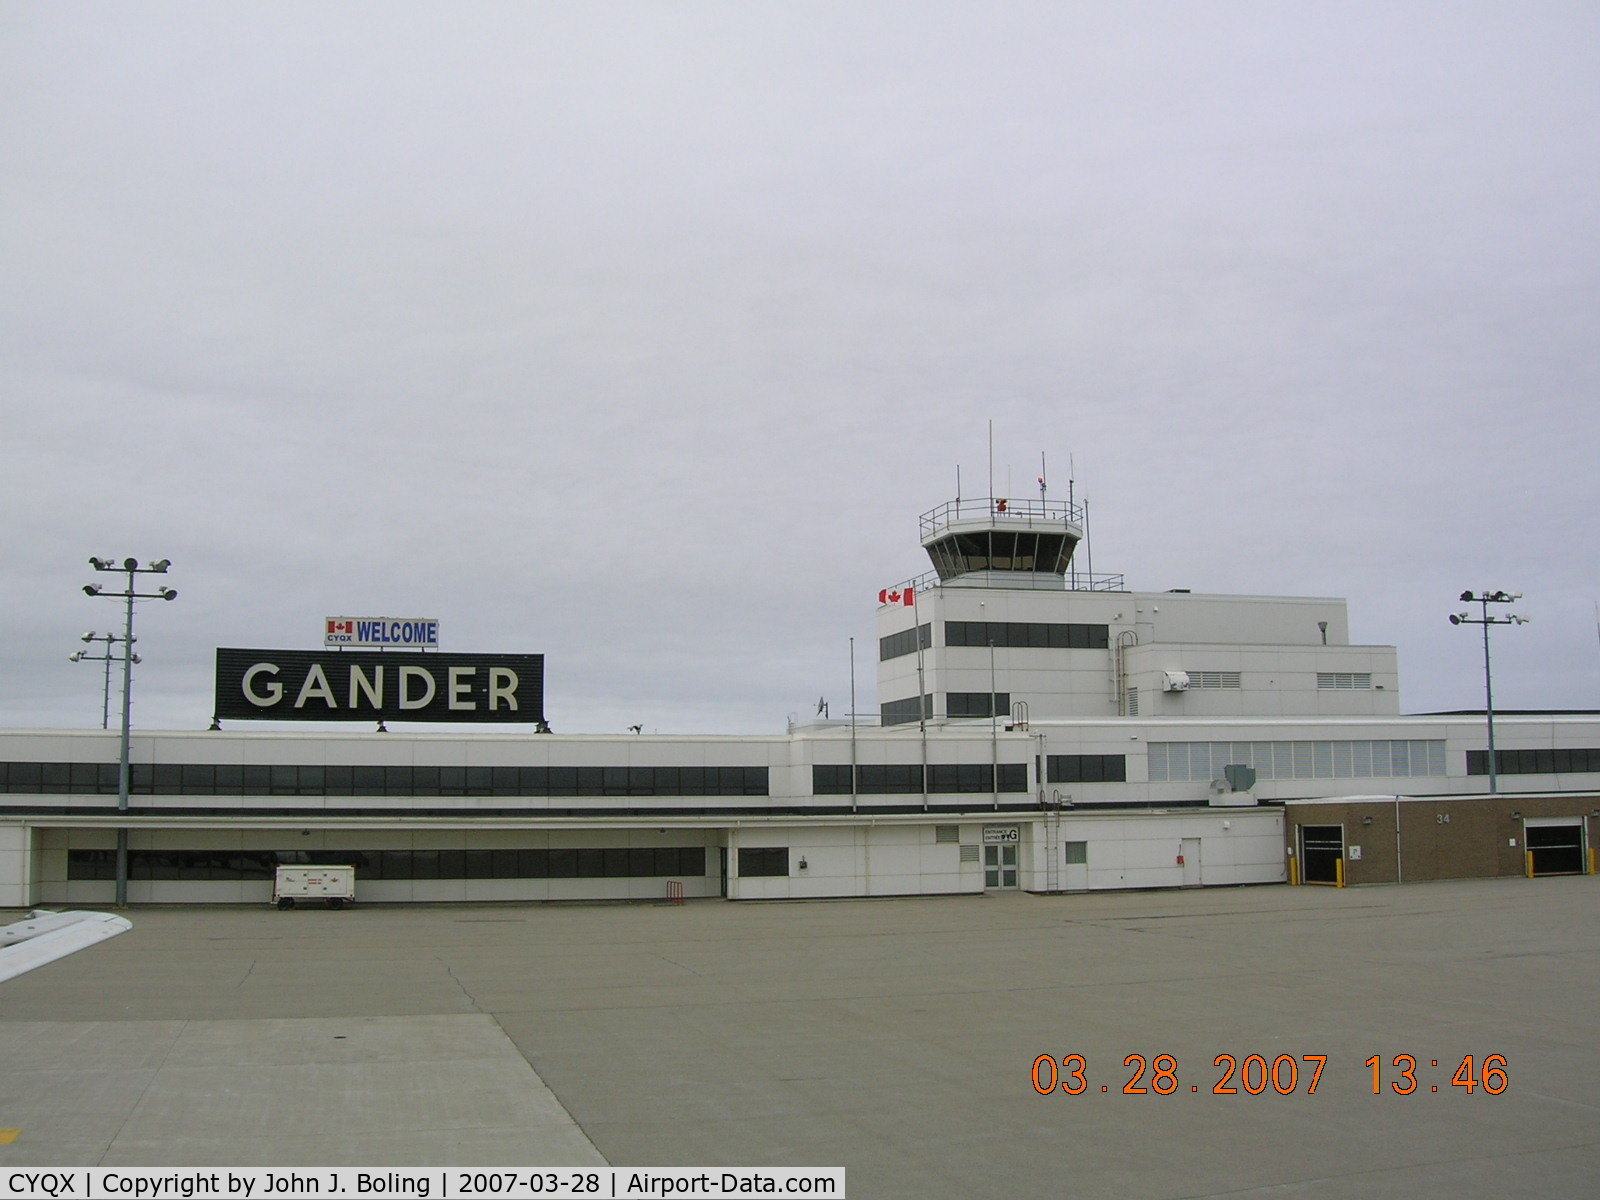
point(907, 778)
point(899, 712)
point(907, 641)
point(977, 704)
point(304, 779)
point(606, 862)
point(1533, 762)
point(1038, 635)
point(1087, 768)
point(756, 861)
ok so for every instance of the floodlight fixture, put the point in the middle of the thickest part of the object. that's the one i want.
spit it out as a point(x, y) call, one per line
point(160, 568)
point(91, 589)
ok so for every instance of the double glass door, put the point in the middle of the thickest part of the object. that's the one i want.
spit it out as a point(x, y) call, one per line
point(999, 866)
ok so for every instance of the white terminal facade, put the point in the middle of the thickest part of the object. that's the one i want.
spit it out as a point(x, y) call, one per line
point(1041, 728)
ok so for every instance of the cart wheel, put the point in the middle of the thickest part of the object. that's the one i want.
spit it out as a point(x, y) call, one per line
point(285, 902)
point(335, 901)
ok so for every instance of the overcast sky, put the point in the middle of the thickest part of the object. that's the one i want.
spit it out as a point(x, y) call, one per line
point(639, 334)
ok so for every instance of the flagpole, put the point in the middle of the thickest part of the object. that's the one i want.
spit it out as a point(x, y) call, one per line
point(853, 793)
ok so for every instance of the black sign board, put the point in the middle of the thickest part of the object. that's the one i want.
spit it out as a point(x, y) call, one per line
point(378, 685)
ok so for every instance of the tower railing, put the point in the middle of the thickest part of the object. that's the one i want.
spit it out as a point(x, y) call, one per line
point(1023, 511)
point(1073, 581)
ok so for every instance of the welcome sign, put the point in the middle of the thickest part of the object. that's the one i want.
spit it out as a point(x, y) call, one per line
point(357, 685)
point(381, 631)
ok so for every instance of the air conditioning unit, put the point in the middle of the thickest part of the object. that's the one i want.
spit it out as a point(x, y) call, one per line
point(1224, 797)
point(1175, 681)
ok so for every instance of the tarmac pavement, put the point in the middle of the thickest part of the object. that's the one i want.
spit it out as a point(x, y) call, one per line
point(896, 1038)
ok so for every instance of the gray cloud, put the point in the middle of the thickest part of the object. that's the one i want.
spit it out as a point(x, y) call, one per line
point(639, 334)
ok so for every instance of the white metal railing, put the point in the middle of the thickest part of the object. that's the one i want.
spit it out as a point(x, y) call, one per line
point(1073, 581)
point(1001, 508)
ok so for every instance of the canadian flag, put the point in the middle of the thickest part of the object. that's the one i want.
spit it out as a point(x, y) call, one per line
point(341, 626)
point(906, 596)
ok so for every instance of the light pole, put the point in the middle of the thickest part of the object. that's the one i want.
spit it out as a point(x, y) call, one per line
point(1483, 600)
point(130, 567)
point(106, 657)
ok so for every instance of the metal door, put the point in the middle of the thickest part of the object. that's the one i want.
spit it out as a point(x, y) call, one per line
point(1191, 862)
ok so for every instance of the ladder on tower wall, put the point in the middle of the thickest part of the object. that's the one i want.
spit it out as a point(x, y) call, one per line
point(1052, 847)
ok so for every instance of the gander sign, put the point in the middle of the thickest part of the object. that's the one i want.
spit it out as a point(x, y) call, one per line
point(354, 685)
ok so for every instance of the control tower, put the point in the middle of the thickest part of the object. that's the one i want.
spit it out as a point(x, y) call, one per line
point(1002, 542)
point(1007, 626)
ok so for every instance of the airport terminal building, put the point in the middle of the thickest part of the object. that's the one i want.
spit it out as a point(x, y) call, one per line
point(1039, 728)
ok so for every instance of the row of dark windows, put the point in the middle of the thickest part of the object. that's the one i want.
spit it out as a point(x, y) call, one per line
point(1041, 635)
point(1001, 550)
point(1533, 762)
point(906, 779)
point(904, 642)
point(956, 704)
point(604, 863)
point(763, 861)
point(899, 712)
point(977, 704)
point(222, 779)
point(1087, 768)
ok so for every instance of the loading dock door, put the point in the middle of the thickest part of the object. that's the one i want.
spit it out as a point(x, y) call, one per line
point(1555, 849)
point(1321, 851)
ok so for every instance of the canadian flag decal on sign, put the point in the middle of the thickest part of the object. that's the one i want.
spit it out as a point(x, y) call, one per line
point(907, 596)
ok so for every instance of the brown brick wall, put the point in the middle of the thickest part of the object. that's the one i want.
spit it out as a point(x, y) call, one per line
point(1473, 842)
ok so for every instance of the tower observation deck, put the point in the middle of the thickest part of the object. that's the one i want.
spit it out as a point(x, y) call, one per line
point(998, 542)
